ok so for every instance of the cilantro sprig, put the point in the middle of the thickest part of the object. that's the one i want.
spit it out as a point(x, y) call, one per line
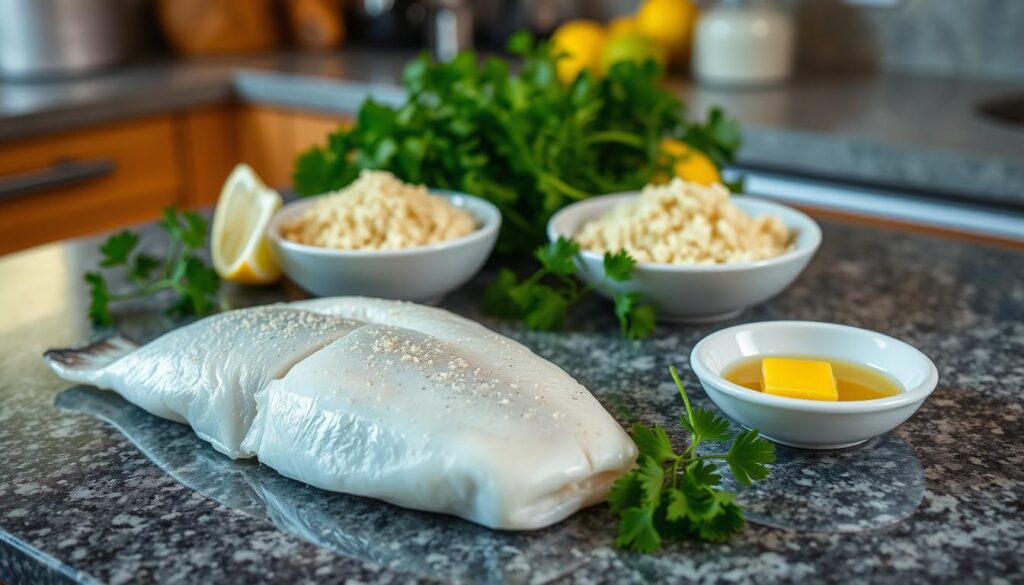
point(181, 271)
point(544, 306)
point(673, 495)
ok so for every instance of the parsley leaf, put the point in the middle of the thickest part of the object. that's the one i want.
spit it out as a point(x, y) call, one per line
point(99, 313)
point(651, 476)
point(637, 531)
point(748, 457)
point(641, 322)
point(673, 495)
point(143, 266)
point(557, 257)
point(635, 321)
point(652, 442)
point(193, 233)
point(721, 526)
point(678, 506)
point(497, 298)
point(701, 500)
point(626, 492)
point(199, 285)
point(544, 307)
point(116, 249)
point(704, 473)
point(183, 272)
point(705, 426)
point(718, 136)
point(619, 266)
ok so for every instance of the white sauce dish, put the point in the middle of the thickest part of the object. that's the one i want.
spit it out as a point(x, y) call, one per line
point(813, 424)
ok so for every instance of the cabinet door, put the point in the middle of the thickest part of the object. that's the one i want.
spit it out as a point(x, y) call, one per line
point(209, 150)
point(270, 138)
point(313, 129)
point(86, 181)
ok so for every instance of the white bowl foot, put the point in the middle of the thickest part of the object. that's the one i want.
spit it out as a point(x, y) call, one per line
point(698, 319)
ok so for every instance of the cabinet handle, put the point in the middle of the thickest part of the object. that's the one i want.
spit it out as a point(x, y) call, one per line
point(60, 174)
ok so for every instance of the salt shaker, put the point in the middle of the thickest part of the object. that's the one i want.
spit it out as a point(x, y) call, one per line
point(744, 43)
point(451, 28)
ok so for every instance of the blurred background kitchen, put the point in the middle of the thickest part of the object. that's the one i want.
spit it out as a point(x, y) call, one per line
point(903, 112)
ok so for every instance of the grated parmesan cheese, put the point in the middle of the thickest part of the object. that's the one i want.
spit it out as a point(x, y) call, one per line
point(685, 223)
point(379, 212)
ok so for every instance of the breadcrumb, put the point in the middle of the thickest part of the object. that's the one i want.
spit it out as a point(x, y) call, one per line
point(379, 212)
point(685, 223)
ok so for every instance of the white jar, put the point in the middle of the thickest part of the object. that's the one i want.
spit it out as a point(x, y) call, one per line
point(740, 42)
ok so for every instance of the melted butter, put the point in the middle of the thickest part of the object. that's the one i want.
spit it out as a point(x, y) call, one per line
point(853, 381)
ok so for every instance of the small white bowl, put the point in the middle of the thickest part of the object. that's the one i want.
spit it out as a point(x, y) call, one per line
point(422, 274)
point(697, 293)
point(812, 424)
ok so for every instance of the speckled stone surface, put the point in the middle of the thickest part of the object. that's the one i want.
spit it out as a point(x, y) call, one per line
point(82, 500)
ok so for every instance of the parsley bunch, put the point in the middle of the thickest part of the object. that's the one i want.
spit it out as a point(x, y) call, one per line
point(182, 271)
point(524, 141)
point(544, 307)
point(672, 495)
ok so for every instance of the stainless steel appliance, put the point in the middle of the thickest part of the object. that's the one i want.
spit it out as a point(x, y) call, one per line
point(53, 38)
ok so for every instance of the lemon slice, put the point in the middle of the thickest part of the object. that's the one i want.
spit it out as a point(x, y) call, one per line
point(241, 252)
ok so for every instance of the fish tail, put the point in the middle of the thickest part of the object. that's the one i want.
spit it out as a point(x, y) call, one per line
point(82, 365)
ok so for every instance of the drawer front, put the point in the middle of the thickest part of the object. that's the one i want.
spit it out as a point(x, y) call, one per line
point(86, 181)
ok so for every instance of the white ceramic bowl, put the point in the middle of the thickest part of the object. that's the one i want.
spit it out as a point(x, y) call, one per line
point(423, 274)
point(697, 293)
point(813, 424)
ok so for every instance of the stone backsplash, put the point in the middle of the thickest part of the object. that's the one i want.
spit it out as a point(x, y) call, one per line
point(981, 39)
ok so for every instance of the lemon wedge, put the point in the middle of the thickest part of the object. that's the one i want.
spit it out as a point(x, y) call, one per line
point(241, 252)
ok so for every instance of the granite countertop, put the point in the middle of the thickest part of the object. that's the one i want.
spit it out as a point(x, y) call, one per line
point(900, 132)
point(94, 489)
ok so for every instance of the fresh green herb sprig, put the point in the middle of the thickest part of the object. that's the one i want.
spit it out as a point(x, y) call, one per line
point(676, 496)
point(524, 140)
point(544, 307)
point(182, 271)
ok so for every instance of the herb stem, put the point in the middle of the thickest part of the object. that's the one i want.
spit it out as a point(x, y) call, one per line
point(144, 291)
point(616, 136)
point(682, 392)
point(563, 187)
point(718, 456)
point(675, 468)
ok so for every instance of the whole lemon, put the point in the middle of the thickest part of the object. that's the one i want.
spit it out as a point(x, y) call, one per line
point(689, 164)
point(630, 47)
point(670, 23)
point(621, 25)
point(581, 41)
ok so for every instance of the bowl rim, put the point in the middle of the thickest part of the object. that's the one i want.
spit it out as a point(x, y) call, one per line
point(808, 248)
point(909, 396)
point(488, 228)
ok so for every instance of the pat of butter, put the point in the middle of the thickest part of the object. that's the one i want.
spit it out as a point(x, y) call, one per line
point(809, 379)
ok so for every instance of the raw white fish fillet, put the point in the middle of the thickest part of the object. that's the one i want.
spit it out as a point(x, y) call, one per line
point(205, 374)
point(405, 403)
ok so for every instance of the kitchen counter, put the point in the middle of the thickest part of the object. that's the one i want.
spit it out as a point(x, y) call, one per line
point(917, 134)
point(94, 489)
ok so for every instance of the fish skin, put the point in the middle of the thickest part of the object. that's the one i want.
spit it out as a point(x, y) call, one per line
point(206, 374)
point(405, 403)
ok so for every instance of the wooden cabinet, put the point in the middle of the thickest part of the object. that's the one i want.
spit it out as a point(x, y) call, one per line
point(87, 181)
point(209, 150)
point(105, 177)
point(271, 138)
point(265, 143)
point(313, 129)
